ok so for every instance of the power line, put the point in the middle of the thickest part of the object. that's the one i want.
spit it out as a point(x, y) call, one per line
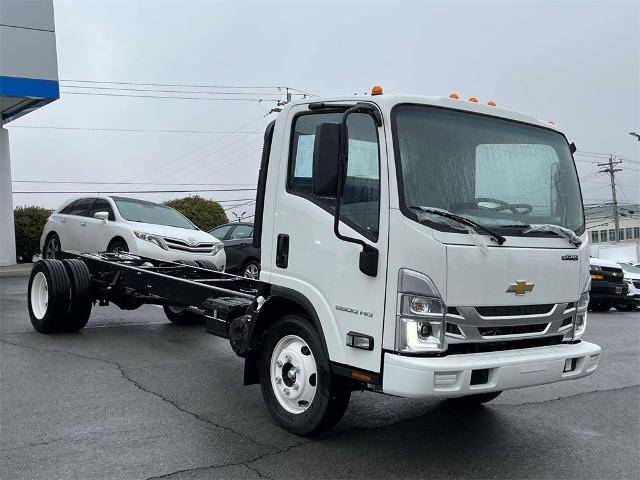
point(162, 90)
point(185, 85)
point(79, 182)
point(51, 127)
point(66, 92)
point(144, 191)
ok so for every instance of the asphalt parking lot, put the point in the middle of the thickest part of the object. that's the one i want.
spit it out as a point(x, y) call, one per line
point(133, 397)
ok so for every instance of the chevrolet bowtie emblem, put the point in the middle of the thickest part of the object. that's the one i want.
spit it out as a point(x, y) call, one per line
point(520, 287)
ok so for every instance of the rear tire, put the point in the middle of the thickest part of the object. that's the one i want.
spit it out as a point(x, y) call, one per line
point(471, 400)
point(312, 398)
point(181, 316)
point(52, 248)
point(81, 295)
point(48, 295)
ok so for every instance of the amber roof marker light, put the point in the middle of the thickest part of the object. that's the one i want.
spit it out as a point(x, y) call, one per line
point(376, 90)
point(473, 99)
point(491, 103)
point(454, 96)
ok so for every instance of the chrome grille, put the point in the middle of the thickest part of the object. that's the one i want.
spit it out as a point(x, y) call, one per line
point(514, 310)
point(204, 248)
point(512, 330)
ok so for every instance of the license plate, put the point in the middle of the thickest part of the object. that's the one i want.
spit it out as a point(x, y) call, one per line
point(618, 290)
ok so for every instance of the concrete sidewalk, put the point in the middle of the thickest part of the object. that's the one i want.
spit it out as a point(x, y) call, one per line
point(20, 270)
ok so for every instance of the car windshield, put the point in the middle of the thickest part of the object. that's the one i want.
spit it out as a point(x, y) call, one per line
point(148, 212)
point(629, 268)
point(496, 172)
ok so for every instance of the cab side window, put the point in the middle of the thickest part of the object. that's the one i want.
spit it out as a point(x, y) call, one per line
point(360, 203)
point(102, 205)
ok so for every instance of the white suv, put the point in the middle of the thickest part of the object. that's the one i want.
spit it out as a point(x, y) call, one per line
point(118, 224)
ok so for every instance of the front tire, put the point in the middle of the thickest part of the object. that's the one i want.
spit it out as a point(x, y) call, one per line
point(300, 391)
point(52, 248)
point(118, 246)
point(601, 306)
point(624, 308)
point(251, 270)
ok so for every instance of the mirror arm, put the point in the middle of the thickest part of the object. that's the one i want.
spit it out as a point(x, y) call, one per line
point(369, 254)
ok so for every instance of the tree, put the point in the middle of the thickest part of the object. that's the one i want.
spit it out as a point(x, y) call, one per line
point(205, 213)
point(29, 226)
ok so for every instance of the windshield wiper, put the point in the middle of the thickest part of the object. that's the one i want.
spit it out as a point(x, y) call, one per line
point(499, 239)
point(549, 227)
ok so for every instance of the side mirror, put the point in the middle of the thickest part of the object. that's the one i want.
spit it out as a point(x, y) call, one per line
point(325, 159)
point(572, 148)
point(104, 216)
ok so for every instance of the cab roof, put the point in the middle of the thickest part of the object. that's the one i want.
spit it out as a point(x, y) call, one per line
point(386, 102)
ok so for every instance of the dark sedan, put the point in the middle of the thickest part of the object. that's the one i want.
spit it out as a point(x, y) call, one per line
point(242, 257)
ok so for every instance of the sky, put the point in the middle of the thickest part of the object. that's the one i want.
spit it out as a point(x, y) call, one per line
point(573, 62)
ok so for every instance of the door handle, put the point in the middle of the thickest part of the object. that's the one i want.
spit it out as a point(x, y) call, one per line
point(83, 224)
point(63, 221)
point(282, 251)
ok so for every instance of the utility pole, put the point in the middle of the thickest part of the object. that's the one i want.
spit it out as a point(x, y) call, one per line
point(612, 172)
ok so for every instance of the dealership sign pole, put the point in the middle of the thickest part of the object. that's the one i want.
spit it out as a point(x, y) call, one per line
point(28, 81)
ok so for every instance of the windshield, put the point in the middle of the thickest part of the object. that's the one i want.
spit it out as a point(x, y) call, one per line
point(496, 172)
point(629, 268)
point(148, 212)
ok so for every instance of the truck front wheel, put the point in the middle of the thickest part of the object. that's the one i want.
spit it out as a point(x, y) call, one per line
point(301, 393)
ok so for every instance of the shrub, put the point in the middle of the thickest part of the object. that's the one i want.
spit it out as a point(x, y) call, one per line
point(205, 213)
point(29, 225)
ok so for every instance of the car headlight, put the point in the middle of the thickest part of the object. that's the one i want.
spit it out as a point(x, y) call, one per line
point(580, 325)
point(217, 247)
point(421, 315)
point(158, 240)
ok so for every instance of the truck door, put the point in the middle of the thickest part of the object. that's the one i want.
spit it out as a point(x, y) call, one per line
point(306, 255)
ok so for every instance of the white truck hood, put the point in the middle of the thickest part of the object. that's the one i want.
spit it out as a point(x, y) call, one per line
point(513, 276)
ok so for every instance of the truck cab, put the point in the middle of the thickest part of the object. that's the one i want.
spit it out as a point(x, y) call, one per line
point(436, 247)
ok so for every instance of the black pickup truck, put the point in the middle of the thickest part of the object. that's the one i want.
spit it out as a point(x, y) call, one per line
point(607, 285)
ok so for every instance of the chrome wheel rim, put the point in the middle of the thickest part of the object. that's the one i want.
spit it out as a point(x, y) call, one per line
point(39, 295)
point(252, 271)
point(294, 374)
point(51, 248)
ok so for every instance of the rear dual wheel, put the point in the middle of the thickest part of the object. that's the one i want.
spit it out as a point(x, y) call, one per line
point(299, 389)
point(59, 295)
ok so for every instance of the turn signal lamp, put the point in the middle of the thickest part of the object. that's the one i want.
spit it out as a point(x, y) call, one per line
point(596, 276)
point(376, 90)
point(491, 103)
point(473, 99)
point(454, 95)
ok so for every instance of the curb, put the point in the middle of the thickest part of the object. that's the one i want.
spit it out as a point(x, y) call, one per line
point(21, 270)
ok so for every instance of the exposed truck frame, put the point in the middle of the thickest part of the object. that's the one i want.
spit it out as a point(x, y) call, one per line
point(343, 302)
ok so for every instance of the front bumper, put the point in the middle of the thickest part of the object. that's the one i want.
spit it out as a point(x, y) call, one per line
point(450, 376)
point(150, 250)
point(602, 290)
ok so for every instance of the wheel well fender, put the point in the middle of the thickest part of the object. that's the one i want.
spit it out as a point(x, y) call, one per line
point(281, 301)
point(115, 239)
point(249, 259)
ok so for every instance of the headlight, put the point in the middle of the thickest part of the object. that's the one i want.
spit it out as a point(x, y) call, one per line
point(217, 247)
point(595, 268)
point(158, 240)
point(421, 315)
point(580, 325)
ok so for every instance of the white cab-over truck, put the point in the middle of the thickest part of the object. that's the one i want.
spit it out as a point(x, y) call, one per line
point(414, 246)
